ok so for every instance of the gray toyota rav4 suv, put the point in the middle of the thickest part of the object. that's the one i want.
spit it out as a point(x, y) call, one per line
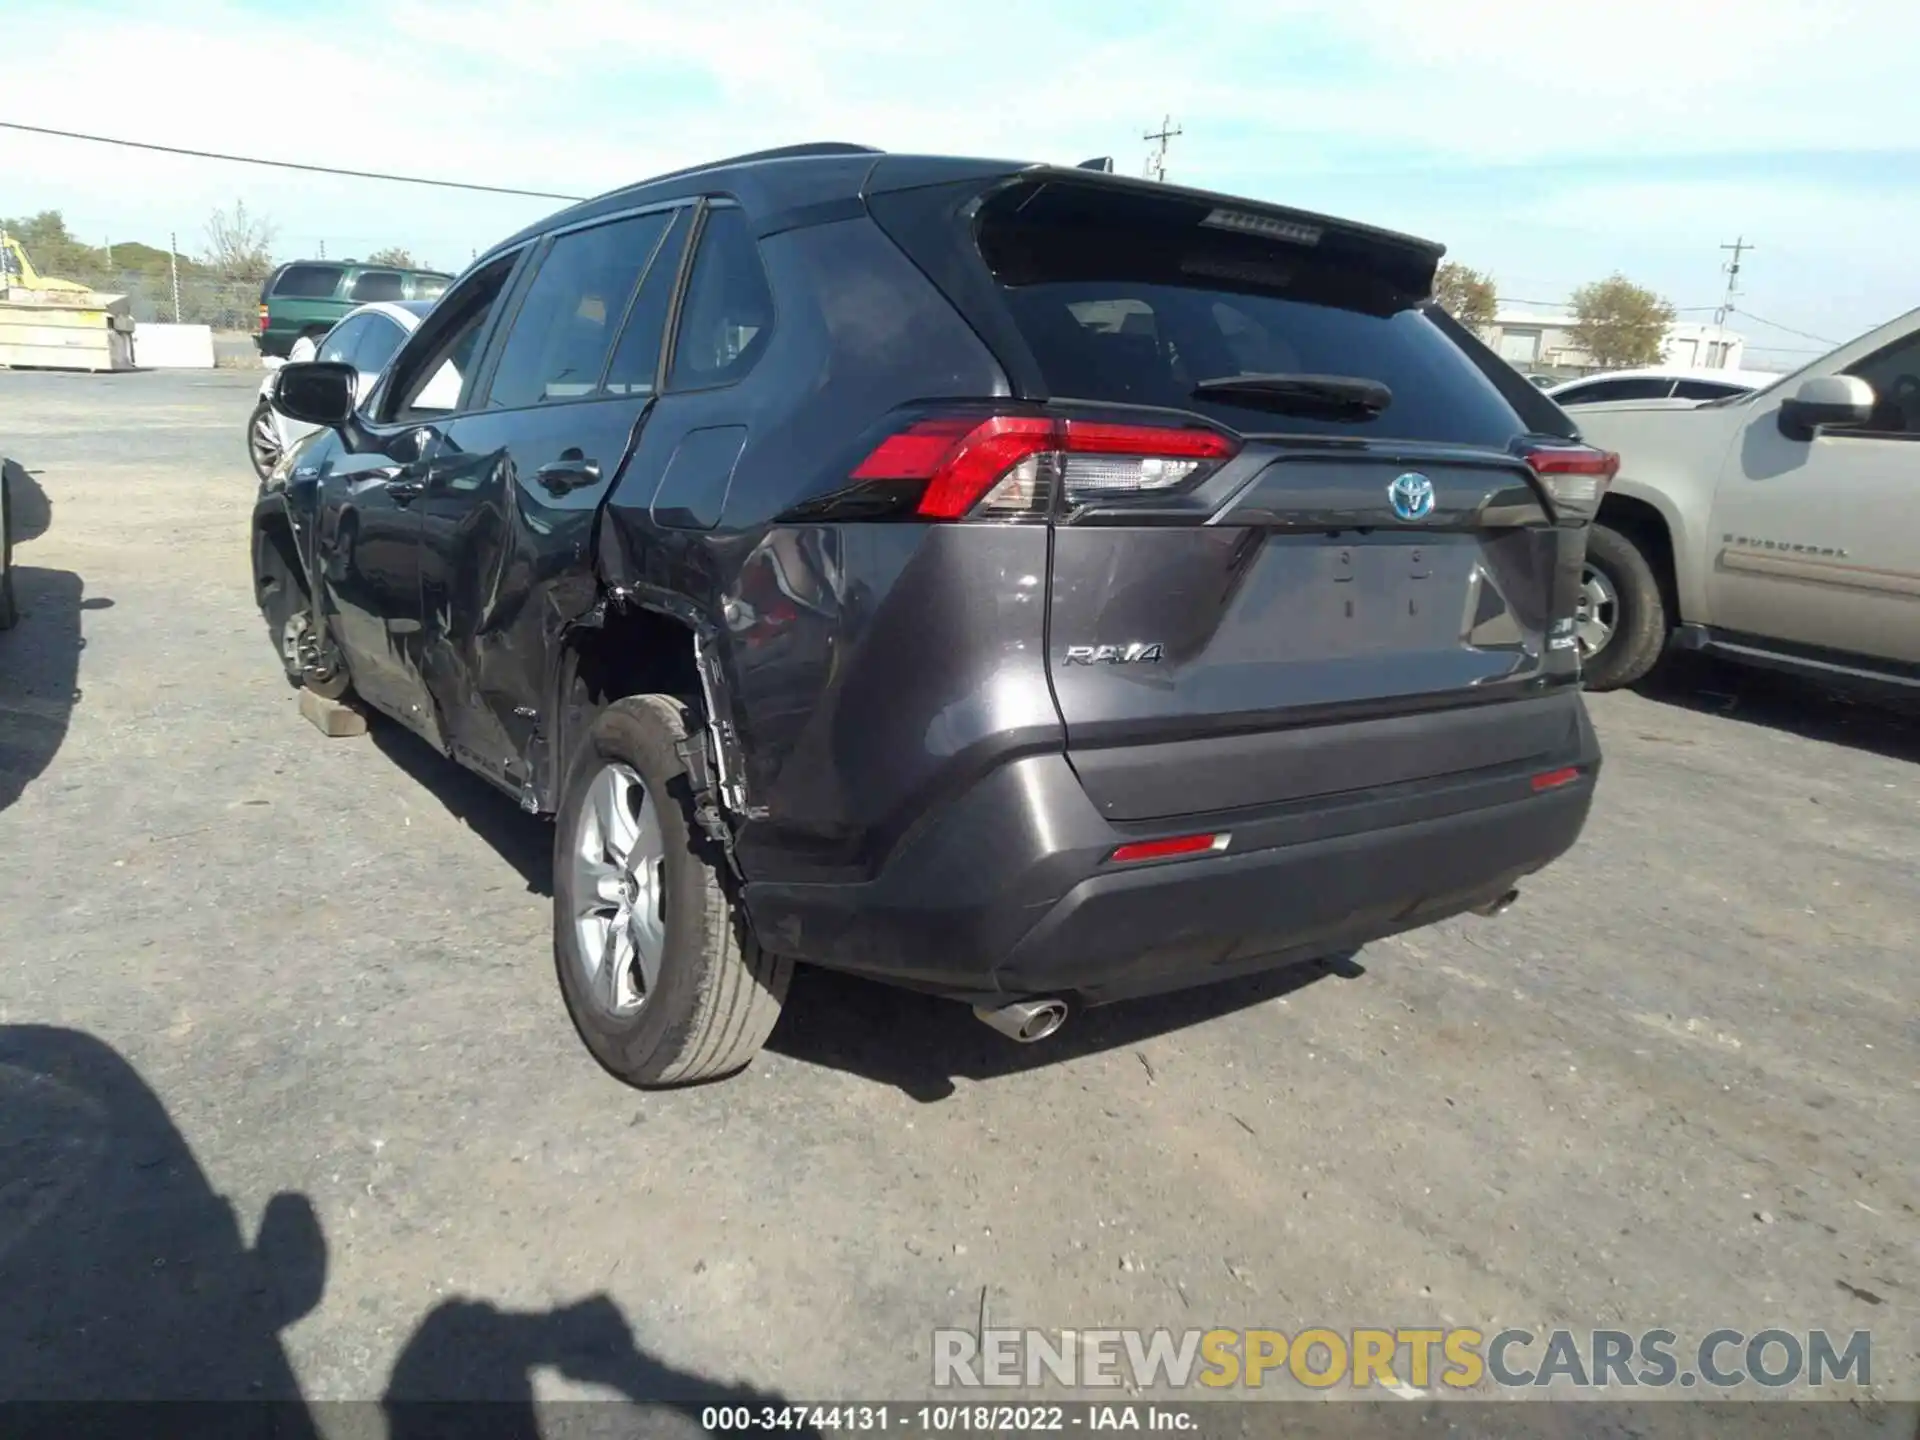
point(1026, 584)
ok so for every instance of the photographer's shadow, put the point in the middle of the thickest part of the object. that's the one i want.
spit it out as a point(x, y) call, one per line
point(469, 1367)
point(126, 1276)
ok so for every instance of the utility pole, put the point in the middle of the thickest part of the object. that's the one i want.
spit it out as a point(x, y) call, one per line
point(173, 263)
point(323, 249)
point(1157, 157)
point(1732, 267)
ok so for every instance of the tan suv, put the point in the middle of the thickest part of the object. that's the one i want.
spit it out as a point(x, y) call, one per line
point(1780, 528)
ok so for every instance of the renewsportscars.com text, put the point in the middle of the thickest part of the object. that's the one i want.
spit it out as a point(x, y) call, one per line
point(1396, 1359)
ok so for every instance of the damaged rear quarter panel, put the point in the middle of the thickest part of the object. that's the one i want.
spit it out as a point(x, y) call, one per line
point(869, 665)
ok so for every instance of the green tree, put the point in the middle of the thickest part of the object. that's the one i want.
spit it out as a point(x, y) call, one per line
point(54, 249)
point(1620, 324)
point(397, 256)
point(1467, 295)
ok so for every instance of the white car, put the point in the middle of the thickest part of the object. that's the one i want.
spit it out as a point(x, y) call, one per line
point(365, 338)
point(1657, 382)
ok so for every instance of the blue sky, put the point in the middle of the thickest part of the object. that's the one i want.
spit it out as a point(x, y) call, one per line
point(1549, 144)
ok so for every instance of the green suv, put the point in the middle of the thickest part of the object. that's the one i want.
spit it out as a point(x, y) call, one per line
point(305, 297)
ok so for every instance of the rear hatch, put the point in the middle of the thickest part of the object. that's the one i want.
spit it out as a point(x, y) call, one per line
point(1299, 546)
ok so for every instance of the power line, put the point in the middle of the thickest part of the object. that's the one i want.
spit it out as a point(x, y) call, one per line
point(1775, 325)
point(286, 164)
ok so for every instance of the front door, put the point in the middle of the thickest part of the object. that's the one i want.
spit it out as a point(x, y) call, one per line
point(507, 520)
point(369, 540)
point(367, 547)
point(1813, 540)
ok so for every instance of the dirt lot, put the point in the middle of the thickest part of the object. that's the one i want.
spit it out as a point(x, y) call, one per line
point(1678, 1085)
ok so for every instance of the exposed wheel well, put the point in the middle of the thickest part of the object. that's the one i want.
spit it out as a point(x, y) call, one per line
point(271, 531)
point(1647, 528)
point(635, 652)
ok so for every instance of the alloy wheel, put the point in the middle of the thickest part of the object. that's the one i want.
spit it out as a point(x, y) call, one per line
point(1596, 612)
point(263, 442)
point(619, 859)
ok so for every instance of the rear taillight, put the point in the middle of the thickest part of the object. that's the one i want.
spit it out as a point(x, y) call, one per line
point(263, 319)
point(1575, 476)
point(1011, 466)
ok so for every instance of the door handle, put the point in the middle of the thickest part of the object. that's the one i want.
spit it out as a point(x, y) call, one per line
point(557, 477)
point(405, 492)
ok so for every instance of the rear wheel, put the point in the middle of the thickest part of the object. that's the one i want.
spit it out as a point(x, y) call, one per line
point(1620, 621)
point(263, 440)
point(661, 977)
point(306, 655)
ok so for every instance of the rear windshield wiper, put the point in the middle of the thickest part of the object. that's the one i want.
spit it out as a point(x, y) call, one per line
point(1331, 395)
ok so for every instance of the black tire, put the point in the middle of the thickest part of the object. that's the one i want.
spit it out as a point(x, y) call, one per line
point(288, 611)
point(718, 994)
point(1640, 625)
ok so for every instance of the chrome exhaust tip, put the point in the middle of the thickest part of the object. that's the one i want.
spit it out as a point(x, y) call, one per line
point(1025, 1020)
point(1497, 907)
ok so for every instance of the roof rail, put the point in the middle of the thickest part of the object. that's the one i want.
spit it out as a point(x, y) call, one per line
point(781, 152)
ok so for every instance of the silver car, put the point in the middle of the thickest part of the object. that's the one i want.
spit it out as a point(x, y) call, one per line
point(365, 338)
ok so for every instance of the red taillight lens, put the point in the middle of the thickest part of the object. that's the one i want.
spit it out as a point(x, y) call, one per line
point(1554, 779)
point(263, 319)
point(1008, 465)
point(1576, 476)
point(1163, 849)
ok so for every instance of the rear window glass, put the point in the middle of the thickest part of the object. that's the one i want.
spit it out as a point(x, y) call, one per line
point(1142, 315)
point(376, 285)
point(308, 282)
point(430, 287)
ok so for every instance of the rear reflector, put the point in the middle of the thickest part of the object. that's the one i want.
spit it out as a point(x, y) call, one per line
point(1576, 476)
point(1554, 779)
point(1162, 849)
point(1009, 465)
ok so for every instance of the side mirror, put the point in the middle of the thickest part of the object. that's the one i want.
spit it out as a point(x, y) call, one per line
point(316, 392)
point(1825, 400)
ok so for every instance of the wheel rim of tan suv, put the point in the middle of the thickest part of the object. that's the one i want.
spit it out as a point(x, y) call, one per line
point(1596, 613)
point(619, 858)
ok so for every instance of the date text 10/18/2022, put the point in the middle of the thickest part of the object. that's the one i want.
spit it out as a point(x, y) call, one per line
point(945, 1419)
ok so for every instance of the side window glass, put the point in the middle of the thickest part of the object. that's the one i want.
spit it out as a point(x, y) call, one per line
point(342, 340)
point(308, 282)
point(381, 338)
point(433, 370)
point(636, 358)
point(1704, 390)
point(565, 326)
point(727, 317)
point(1894, 373)
point(376, 285)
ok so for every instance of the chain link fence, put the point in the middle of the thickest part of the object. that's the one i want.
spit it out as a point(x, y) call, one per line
point(202, 299)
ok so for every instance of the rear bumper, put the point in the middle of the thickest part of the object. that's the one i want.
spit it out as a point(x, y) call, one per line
point(1009, 892)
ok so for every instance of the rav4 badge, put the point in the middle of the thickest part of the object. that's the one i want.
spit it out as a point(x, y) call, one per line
point(1138, 653)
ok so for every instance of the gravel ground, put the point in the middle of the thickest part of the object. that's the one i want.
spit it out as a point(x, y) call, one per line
point(1678, 1084)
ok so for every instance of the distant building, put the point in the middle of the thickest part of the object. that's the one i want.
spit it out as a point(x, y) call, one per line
point(1537, 342)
